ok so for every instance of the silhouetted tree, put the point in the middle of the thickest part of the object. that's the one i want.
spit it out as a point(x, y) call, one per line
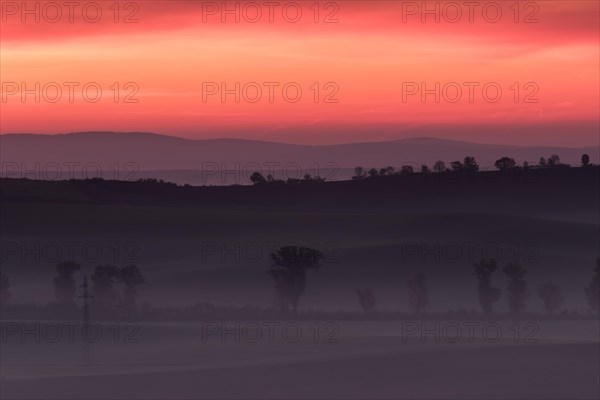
point(517, 291)
point(456, 166)
point(553, 161)
point(257, 177)
point(387, 171)
point(103, 280)
point(4, 286)
point(543, 163)
point(366, 299)
point(288, 270)
point(418, 292)
point(505, 163)
point(310, 178)
point(439, 166)
point(470, 164)
point(592, 291)
point(585, 160)
point(488, 294)
point(551, 296)
point(64, 283)
point(425, 169)
point(525, 164)
point(359, 173)
point(271, 179)
point(407, 169)
point(373, 172)
point(130, 276)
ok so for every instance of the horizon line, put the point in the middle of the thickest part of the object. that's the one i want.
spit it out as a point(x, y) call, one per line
point(412, 138)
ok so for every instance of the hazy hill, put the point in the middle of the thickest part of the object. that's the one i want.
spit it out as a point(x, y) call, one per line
point(143, 155)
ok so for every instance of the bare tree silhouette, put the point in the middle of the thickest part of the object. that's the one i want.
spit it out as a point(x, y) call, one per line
point(488, 294)
point(288, 270)
point(4, 286)
point(366, 299)
point(418, 292)
point(103, 279)
point(551, 295)
point(64, 283)
point(131, 276)
point(592, 291)
point(517, 291)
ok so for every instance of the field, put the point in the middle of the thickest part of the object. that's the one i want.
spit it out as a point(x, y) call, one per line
point(212, 245)
point(549, 360)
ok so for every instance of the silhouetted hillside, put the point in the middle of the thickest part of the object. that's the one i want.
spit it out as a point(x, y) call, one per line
point(555, 191)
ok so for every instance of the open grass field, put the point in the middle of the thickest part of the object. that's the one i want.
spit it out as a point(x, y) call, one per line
point(557, 360)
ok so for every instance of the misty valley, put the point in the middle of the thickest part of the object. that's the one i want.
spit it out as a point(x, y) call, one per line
point(387, 271)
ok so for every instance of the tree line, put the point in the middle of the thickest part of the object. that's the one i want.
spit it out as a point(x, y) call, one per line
point(104, 292)
point(469, 164)
point(259, 179)
point(516, 287)
point(288, 271)
point(290, 264)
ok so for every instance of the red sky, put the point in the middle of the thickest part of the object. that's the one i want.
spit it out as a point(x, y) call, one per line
point(371, 58)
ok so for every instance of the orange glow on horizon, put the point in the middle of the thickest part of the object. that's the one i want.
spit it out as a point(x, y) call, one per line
point(360, 71)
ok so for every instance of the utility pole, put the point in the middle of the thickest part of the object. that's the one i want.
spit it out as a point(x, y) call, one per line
point(87, 345)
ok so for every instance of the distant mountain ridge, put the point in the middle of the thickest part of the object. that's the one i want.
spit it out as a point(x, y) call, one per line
point(155, 152)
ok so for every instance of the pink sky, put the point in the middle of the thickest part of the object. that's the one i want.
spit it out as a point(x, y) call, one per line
point(364, 60)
